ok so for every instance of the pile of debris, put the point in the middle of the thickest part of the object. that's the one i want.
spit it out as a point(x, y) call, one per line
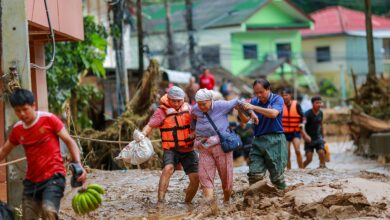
point(101, 154)
point(371, 112)
point(348, 198)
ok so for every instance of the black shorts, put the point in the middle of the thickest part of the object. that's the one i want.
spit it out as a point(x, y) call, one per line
point(316, 144)
point(290, 136)
point(189, 160)
point(48, 192)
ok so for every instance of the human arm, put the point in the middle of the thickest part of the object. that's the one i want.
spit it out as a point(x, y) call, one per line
point(304, 135)
point(6, 149)
point(74, 152)
point(154, 122)
point(245, 116)
point(271, 112)
point(147, 130)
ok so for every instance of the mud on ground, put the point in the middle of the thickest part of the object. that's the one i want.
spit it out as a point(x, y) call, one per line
point(312, 194)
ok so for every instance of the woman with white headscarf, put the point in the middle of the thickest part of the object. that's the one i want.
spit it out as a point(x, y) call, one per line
point(211, 156)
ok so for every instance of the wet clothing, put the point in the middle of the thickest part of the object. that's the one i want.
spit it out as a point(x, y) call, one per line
point(269, 148)
point(313, 125)
point(175, 127)
point(317, 145)
point(213, 159)
point(290, 136)
point(219, 114)
point(43, 198)
point(41, 146)
point(292, 117)
point(313, 128)
point(269, 125)
point(269, 152)
point(189, 160)
point(246, 135)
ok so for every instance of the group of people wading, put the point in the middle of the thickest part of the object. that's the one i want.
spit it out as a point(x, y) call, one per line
point(189, 139)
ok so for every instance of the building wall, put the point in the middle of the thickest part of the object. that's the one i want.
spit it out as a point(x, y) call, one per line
point(330, 69)
point(210, 37)
point(386, 61)
point(357, 54)
point(270, 14)
point(347, 52)
point(266, 45)
point(65, 16)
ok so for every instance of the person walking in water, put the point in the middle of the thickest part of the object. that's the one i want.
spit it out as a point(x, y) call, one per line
point(315, 130)
point(173, 118)
point(292, 123)
point(269, 148)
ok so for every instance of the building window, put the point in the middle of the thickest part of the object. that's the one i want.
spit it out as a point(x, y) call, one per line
point(323, 54)
point(250, 51)
point(283, 50)
point(210, 55)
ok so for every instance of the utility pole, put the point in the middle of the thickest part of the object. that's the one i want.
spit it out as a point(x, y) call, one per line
point(190, 31)
point(370, 41)
point(140, 32)
point(120, 70)
point(14, 52)
point(170, 44)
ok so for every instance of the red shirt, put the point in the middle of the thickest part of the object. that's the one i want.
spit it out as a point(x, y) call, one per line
point(206, 81)
point(41, 146)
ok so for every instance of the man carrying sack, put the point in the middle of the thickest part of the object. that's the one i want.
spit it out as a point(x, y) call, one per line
point(173, 118)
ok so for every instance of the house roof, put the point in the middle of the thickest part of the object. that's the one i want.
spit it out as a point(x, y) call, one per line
point(206, 14)
point(339, 20)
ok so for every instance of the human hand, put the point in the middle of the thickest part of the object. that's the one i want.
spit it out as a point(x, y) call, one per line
point(254, 118)
point(306, 138)
point(191, 136)
point(247, 106)
point(83, 177)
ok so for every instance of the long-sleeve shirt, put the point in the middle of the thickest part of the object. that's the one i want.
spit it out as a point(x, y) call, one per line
point(218, 113)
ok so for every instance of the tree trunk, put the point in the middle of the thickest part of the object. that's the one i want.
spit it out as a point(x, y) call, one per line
point(120, 70)
point(190, 31)
point(370, 41)
point(170, 44)
point(140, 37)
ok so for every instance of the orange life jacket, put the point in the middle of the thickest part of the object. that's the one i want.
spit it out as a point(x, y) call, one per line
point(291, 119)
point(176, 126)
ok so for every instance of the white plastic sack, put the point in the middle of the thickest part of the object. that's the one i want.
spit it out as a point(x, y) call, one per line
point(138, 151)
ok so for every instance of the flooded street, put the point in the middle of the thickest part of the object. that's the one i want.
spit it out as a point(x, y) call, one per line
point(351, 185)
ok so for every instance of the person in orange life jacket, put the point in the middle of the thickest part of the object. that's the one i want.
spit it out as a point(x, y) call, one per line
point(173, 118)
point(292, 122)
point(39, 132)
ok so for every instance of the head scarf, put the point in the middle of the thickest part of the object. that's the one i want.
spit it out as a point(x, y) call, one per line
point(176, 93)
point(203, 95)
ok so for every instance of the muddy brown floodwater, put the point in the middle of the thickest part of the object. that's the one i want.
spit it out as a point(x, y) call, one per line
point(352, 187)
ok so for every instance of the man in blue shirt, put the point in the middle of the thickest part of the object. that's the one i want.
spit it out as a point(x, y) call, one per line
point(269, 149)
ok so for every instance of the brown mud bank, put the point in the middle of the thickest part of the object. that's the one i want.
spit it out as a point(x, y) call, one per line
point(312, 194)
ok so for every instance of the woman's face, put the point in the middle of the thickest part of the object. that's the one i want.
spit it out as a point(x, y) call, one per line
point(204, 106)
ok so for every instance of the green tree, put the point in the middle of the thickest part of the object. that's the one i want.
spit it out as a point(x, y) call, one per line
point(74, 60)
